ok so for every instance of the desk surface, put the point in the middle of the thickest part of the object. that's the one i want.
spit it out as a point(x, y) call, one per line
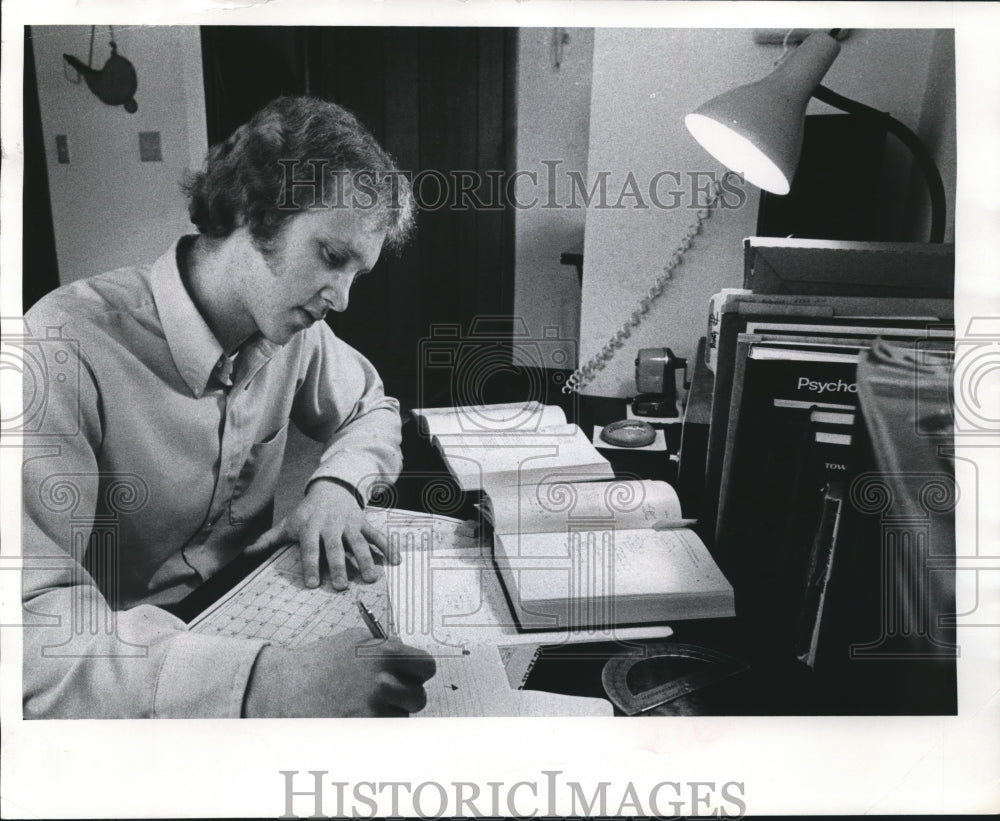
point(768, 688)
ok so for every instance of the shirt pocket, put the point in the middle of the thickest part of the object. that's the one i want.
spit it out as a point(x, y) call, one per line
point(258, 479)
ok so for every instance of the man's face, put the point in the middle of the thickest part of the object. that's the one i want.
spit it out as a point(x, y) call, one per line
point(315, 259)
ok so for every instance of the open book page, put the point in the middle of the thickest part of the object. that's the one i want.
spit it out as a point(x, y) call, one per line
point(611, 577)
point(633, 562)
point(498, 460)
point(558, 506)
point(505, 417)
point(446, 595)
point(273, 603)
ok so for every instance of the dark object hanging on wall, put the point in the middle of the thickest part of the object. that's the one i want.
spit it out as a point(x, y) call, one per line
point(114, 84)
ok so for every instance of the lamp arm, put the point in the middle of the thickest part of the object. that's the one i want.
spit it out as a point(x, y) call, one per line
point(932, 177)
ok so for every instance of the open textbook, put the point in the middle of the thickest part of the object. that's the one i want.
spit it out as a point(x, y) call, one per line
point(594, 554)
point(491, 446)
point(444, 597)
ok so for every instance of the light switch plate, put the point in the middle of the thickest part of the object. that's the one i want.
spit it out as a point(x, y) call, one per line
point(149, 146)
point(62, 149)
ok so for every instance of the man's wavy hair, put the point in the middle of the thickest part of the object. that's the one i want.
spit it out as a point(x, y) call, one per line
point(246, 179)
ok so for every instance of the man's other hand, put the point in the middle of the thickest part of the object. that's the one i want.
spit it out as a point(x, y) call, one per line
point(349, 674)
point(329, 520)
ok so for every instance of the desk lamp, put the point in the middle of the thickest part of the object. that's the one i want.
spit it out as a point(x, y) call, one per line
point(756, 129)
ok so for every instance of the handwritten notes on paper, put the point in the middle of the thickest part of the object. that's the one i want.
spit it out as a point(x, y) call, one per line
point(475, 684)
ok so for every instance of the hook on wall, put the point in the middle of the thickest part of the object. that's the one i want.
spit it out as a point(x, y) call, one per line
point(560, 38)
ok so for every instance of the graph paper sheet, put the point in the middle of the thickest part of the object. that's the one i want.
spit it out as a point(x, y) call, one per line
point(274, 604)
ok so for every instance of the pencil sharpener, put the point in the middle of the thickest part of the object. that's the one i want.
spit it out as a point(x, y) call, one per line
point(656, 382)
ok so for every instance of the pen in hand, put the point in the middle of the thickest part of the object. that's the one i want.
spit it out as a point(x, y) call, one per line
point(372, 622)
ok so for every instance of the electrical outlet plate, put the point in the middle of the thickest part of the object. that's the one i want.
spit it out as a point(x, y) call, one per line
point(775, 37)
point(149, 146)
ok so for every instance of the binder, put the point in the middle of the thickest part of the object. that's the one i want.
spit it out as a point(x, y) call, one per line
point(770, 524)
point(767, 401)
point(733, 310)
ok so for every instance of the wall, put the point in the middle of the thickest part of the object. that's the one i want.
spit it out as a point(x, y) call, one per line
point(644, 82)
point(108, 208)
point(553, 123)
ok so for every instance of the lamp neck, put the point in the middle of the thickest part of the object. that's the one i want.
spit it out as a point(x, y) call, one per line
point(929, 169)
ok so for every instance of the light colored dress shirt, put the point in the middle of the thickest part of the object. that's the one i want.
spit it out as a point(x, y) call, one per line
point(150, 462)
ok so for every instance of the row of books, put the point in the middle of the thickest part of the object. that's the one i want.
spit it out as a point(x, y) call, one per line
point(573, 545)
point(770, 450)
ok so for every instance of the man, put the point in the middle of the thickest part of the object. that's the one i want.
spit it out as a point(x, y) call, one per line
point(169, 390)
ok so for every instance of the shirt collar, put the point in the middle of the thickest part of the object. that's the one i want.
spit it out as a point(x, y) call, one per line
point(193, 346)
point(196, 352)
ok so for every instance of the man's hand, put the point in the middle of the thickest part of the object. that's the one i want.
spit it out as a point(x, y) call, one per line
point(349, 674)
point(330, 520)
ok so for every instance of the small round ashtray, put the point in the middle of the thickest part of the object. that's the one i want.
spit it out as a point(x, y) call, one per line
point(629, 433)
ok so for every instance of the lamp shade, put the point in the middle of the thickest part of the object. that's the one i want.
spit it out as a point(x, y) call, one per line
point(756, 129)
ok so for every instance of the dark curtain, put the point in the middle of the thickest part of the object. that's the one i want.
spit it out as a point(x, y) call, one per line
point(40, 268)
